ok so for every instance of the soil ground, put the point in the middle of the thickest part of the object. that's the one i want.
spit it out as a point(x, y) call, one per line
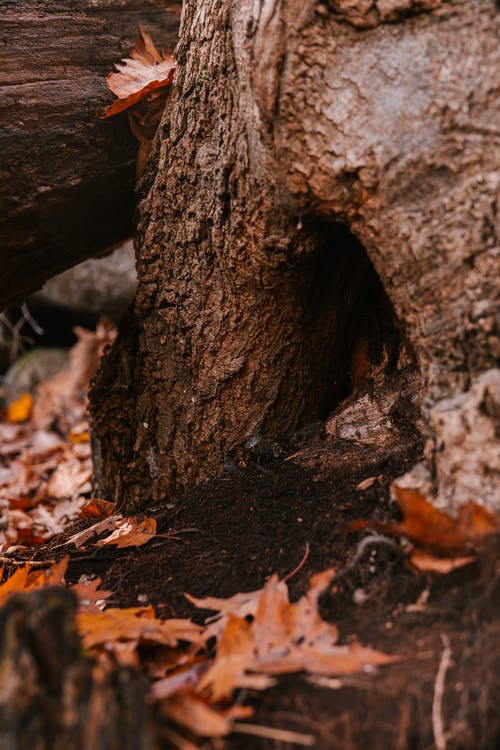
point(230, 534)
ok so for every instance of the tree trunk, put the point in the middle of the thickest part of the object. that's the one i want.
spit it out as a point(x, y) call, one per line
point(67, 177)
point(322, 192)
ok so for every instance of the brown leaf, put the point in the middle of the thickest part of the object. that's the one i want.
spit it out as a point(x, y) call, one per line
point(68, 478)
point(138, 76)
point(90, 596)
point(427, 563)
point(283, 637)
point(24, 579)
point(130, 532)
point(134, 624)
point(192, 712)
point(97, 528)
point(97, 508)
point(429, 527)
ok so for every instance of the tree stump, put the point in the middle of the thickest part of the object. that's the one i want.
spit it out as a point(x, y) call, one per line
point(53, 698)
point(324, 184)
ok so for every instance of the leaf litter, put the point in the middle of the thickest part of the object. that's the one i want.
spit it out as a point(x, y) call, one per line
point(257, 636)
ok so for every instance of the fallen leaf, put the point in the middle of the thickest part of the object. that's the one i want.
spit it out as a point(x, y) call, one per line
point(79, 437)
point(283, 637)
point(90, 596)
point(130, 532)
point(366, 483)
point(97, 508)
point(134, 624)
point(24, 579)
point(427, 563)
point(21, 409)
point(192, 712)
point(68, 478)
point(429, 527)
point(140, 75)
point(97, 528)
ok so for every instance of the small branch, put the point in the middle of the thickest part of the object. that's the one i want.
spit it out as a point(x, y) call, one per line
point(4, 560)
point(437, 716)
point(278, 735)
point(300, 565)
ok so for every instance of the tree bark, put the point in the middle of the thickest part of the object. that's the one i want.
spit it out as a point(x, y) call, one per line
point(324, 183)
point(67, 177)
point(54, 698)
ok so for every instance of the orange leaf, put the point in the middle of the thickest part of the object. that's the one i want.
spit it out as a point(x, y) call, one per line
point(96, 508)
point(79, 437)
point(145, 71)
point(21, 409)
point(429, 527)
point(282, 637)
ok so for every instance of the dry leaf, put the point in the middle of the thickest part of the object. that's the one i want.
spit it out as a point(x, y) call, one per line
point(140, 75)
point(134, 624)
point(97, 508)
point(427, 563)
point(68, 478)
point(21, 409)
point(283, 637)
point(90, 596)
point(97, 528)
point(24, 579)
point(366, 483)
point(427, 526)
point(192, 712)
point(130, 532)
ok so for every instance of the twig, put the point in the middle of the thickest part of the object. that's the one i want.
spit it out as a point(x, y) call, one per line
point(363, 545)
point(32, 563)
point(28, 317)
point(300, 565)
point(437, 716)
point(278, 735)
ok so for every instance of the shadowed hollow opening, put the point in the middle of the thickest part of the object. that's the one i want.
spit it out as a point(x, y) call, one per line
point(348, 325)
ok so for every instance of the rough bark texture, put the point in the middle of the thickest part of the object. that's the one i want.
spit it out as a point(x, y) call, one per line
point(293, 140)
point(67, 177)
point(52, 698)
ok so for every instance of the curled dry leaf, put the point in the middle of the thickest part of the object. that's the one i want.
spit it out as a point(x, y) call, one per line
point(144, 72)
point(429, 527)
point(131, 532)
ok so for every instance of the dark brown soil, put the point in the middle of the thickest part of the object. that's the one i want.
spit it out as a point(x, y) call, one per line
point(229, 535)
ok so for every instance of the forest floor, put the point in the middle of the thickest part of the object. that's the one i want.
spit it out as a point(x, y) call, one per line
point(259, 520)
point(292, 513)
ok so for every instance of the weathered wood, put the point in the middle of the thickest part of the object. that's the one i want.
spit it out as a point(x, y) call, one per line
point(66, 176)
point(51, 696)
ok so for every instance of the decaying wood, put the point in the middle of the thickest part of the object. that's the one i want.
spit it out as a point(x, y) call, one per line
point(307, 173)
point(67, 177)
point(52, 697)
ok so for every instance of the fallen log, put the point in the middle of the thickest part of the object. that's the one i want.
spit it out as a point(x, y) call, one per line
point(67, 177)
